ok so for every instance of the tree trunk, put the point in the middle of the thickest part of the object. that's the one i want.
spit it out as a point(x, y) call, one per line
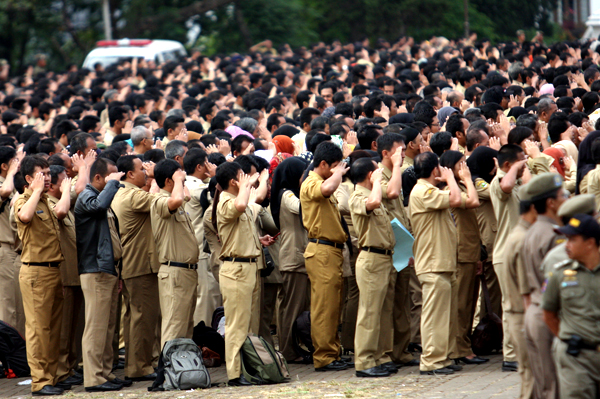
point(239, 17)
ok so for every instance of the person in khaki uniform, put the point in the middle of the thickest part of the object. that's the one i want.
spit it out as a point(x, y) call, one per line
point(547, 197)
point(435, 264)
point(390, 148)
point(99, 252)
point(583, 203)
point(132, 205)
point(39, 278)
point(178, 251)
point(511, 173)
point(570, 304)
point(513, 281)
point(235, 212)
point(374, 272)
point(295, 290)
point(483, 168)
point(11, 304)
point(468, 260)
point(593, 176)
point(71, 329)
point(323, 254)
point(199, 170)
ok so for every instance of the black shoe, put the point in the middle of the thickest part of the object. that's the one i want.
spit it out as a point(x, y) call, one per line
point(348, 361)
point(120, 364)
point(510, 366)
point(125, 383)
point(75, 379)
point(149, 377)
point(239, 382)
point(107, 386)
point(336, 365)
point(475, 360)
point(455, 367)
point(373, 372)
point(412, 363)
point(122, 352)
point(48, 390)
point(442, 371)
point(63, 385)
point(414, 347)
point(389, 366)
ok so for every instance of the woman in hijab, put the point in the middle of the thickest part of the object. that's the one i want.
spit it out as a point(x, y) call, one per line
point(295, 290)
point(286, 130)
point(283, 144)
point(483, 169)
point(444, 113)
point(585, 162)
point(469, 255)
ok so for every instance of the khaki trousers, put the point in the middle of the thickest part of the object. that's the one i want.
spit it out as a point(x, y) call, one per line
point(517, 332)
point(177, 290)
point(140, 294)
point(349, 302)
point(438, 320)
point(401, 313)
point(467, 299)
point(539, 347)
point(240, 286)
point(42, 292)
point(71, 331)
point(376, 278)
point(324, 268)
point(11, 304)
point(294, 299)
point(508, 349)
point(209, 295)
point(578, 377)
point(415, 305)
point(101, 292)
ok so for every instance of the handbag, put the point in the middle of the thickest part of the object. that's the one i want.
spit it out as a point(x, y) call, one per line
point(488, 334)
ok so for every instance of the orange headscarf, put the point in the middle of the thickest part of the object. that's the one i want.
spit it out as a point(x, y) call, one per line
point(558, 156)
point(283, 144)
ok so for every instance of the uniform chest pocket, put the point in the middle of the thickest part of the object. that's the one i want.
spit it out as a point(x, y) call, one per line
point(180, 217)
point(572, 293)
point(243, 217)
point(67, 222)
point(42, 215)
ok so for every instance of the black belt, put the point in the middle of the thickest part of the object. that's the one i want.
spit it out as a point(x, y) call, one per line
point(325, 242)
point(192, 266)
point(581, 344)
point(45, 264)
point(245, 260)
point(378, 250)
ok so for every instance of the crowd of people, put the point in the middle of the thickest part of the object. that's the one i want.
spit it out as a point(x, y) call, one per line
point(138, 198)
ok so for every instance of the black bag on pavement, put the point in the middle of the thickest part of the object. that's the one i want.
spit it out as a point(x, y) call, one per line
point(206, 337)
point(13, 353)
point(301, 337)
point(487, 336)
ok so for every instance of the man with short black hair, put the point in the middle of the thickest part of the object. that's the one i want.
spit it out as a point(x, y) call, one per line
point(118, 117)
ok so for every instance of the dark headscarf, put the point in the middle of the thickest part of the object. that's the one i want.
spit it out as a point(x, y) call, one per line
point(585, 161)
point(481, 163)
point(286, 177)
point(402, 118)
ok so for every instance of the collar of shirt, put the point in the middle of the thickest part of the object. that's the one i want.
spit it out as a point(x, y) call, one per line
point(524, 223)
point(226, 195)
point(131, 186)
point(546, 220)
point(577, 265)
point(362, 189)
point(315, 174)
point(164, 193)
point(29, 192)
point(386, 172)
point(426, 183)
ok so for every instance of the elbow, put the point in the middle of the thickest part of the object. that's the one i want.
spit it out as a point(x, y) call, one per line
point(60, 215)
point(24, 218)
point(472, 203)
point(393, 194)
point(455, 203)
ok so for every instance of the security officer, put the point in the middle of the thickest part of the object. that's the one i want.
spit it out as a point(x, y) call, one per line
point(132, 205)
point(512, 282)
point(390, 148)
point(178, 251)
point(435, 264)
point(547, 195)
point(323, 254)
point(582, 203)
point(71, 331)
point(235, 214)
point(11, 304)
point(39, 278)
point(373, 272)
point(504, 193)
point(198, 172)
point(571, 305)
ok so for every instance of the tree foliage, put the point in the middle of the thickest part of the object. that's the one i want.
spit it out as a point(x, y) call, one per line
point(66, 30)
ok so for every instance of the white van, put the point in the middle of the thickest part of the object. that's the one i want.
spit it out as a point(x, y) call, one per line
point(108, 52)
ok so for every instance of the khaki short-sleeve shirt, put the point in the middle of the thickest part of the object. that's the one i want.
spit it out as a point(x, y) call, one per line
point(132, 205)
point(293, 238)
point(193, 206)
point(320, 214)
point(69, 272)
point(374, 228)
point(593, 185)
point(237, 230)
point(394, 206)
point(41, 236)
point(435, 243)
point(467, 229)
point(6, 233)
point(515, 279)
point(506, 209)
point(486, 219)
point(173, 232)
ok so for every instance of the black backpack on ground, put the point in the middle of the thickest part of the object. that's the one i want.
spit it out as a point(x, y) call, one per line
point(488, 334)
point(206, 337)
point(13, 353)
point(301, 339)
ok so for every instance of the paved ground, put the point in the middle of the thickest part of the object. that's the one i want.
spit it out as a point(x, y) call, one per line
point(486, 381)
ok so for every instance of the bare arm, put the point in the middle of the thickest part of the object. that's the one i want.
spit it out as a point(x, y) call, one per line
point(330, 185)
point(374, 199)
point(176, 198)
point(448, 177)
point(509, 180)
point(394, 187)
point(9, 183)
point(243, 197)
point(552, 320)
point(64, 204)
point(28, 209)
point(263, 189)
point(472, 197)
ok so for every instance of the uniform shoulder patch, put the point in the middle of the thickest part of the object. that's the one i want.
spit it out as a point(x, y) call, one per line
point(481, 184)
point(562, 264)
point(559, 241)
point(569, 272)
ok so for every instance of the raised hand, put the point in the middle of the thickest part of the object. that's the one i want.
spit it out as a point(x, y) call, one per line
point(65, 186)
point(38, 182)
point(464, 172)
point(114, 176)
